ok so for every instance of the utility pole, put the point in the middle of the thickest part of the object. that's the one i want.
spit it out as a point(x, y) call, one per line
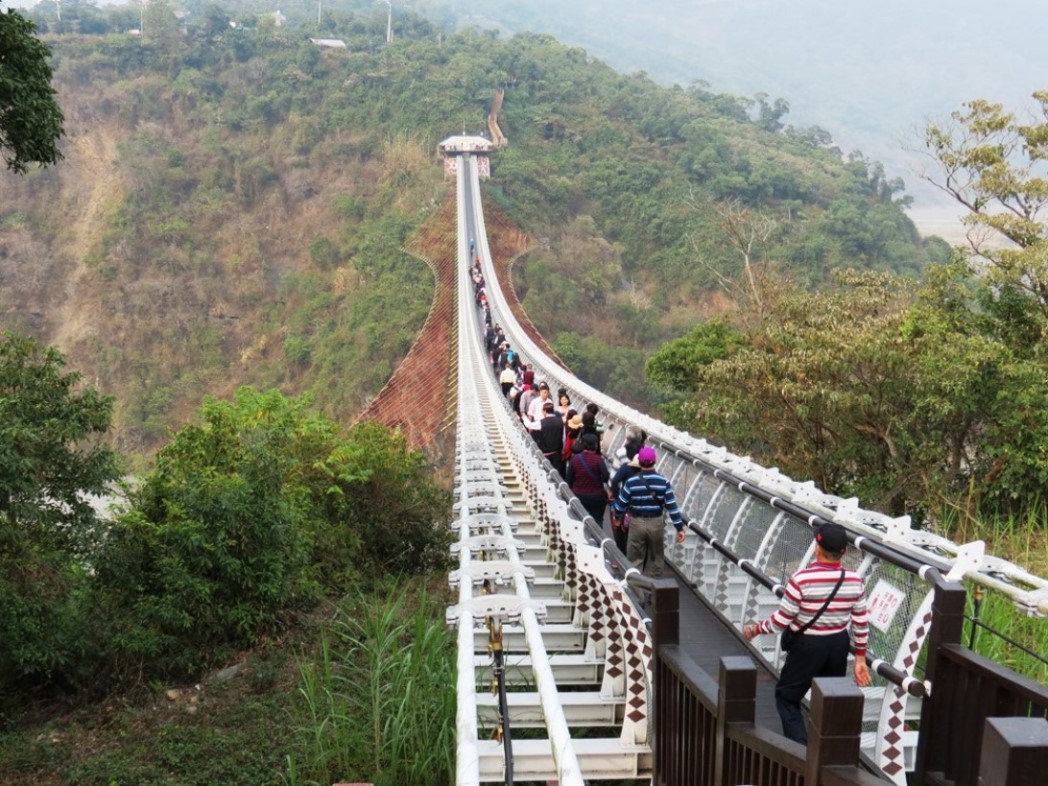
point(389, 20)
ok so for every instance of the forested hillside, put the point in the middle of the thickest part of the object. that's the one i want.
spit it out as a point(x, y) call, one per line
point(233, 203)
point(231, 217)
point(872, 74)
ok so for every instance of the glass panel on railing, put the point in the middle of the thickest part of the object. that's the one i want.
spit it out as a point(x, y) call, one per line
point(726, 506)
point(786, 551)
point(752, 529)
point(698, 502)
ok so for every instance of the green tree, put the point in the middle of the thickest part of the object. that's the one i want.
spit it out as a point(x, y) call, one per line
point(50, 464)
point(30, 118)
point(992, 390)
point(160, 26)
point(994, 165)
point(676, 367)
point(217, 543)
point(383, 492)
point(250, 515)
point(843, 387)
point(216, 21)
point(904, 395)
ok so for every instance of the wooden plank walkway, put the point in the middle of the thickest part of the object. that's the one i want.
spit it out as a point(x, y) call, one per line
point(707, 637)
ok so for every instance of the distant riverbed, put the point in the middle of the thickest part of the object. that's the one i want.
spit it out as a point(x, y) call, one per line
point(941, 220)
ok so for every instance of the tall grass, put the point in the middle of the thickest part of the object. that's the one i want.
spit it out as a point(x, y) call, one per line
point(1024, 541)
point(380, 698)
point(1000, 616)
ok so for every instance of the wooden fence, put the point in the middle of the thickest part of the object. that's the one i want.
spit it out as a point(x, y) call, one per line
point(980, 715)
point(983, 725)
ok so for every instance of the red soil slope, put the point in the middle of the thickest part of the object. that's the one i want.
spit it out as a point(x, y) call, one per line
point(419, 397)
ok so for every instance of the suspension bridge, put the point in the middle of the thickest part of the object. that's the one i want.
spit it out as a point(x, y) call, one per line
point(600, 673)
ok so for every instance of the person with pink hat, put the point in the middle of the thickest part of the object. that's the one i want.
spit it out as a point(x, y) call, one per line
point(648, 498)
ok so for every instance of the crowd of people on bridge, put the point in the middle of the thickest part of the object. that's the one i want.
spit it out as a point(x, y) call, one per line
point(571, 440)
point(824, 607)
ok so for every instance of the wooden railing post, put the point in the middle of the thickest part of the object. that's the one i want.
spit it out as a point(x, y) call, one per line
point(736, 703)
point(665, 632)
point(836, 725)
point(1014, 752)
point(947, 627)
point(665, 614)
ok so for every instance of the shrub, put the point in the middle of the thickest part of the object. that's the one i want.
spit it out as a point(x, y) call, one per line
point(245, 518)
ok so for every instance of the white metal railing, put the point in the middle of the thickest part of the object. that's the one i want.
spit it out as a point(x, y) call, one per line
point(764, 518)
point(1028, 591)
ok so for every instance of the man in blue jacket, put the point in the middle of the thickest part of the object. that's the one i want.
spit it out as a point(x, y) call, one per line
point(647, 496)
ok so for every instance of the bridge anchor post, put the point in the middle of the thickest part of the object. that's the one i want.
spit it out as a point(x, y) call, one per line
point(836, 726)
point(1014, 752)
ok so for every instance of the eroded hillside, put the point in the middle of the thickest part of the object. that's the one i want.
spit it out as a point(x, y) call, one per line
point(233, 210)
point(169, 257)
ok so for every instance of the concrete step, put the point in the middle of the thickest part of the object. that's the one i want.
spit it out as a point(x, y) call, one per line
point(568, 669)
point(599, 758)
point(555, 638)
point(545, 587)
point(558, 611)
point(581, 709)
point(542, 568)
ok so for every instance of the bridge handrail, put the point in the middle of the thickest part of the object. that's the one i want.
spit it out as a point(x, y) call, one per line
point(569, 771)
point(896, 542)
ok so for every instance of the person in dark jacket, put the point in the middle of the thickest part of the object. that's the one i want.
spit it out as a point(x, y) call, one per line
point(587, 476)
point(648, 496)
point(620, 527)
point(550, 436)
point(589, 426)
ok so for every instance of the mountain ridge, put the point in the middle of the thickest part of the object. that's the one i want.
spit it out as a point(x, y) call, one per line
point(235, 211)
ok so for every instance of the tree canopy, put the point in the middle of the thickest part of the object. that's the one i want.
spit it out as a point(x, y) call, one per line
point(30, 118)
point(996, 167)
point(251, 514)
point(51, 463)
point(913, 395)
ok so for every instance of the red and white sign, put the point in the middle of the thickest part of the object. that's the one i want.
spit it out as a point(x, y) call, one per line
point(884, 603)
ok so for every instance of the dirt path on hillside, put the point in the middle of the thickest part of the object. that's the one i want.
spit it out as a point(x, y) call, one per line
point(92, 192)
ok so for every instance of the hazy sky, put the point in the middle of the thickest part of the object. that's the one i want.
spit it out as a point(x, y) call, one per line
point(871, 72)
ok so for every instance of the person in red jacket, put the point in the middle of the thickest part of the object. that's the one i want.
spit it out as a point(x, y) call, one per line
point(835, 598)
point(587, 476)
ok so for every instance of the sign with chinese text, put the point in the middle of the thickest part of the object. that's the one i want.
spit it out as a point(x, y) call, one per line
point(884, 603)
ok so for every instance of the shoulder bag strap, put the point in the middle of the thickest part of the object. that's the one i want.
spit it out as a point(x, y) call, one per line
point(825, 605)
point(587, 467)
point(644, 480)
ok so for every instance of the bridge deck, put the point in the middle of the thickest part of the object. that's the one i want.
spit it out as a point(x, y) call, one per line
point(706, 638)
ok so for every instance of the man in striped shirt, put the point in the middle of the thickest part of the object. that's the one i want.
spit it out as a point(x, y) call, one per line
point(822, 649)
point(645, 496)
